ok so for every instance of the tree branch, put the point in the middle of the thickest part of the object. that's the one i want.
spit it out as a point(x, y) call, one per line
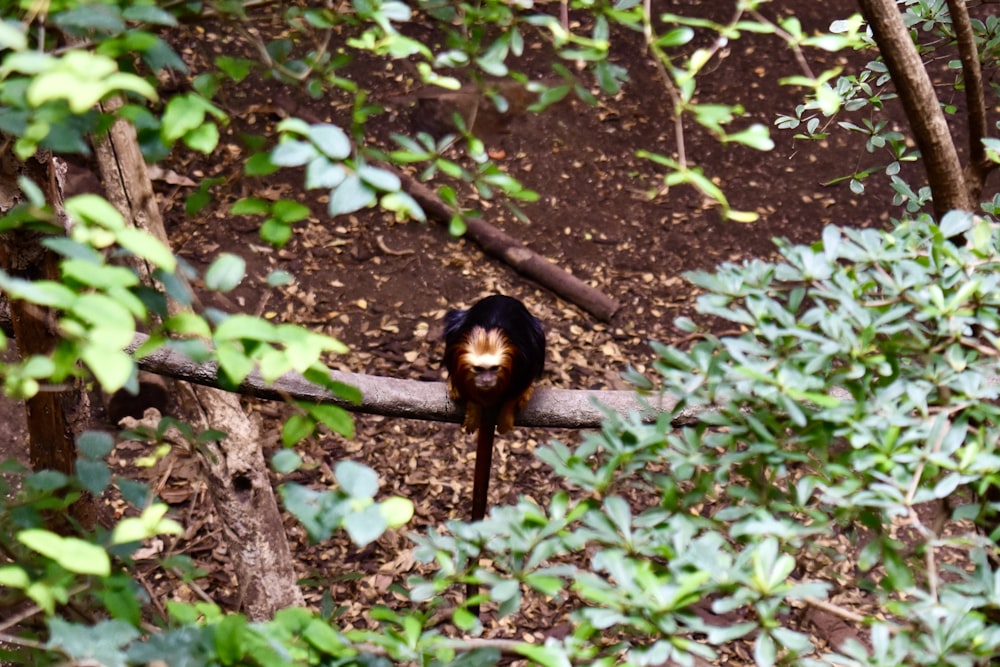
point(413, 399)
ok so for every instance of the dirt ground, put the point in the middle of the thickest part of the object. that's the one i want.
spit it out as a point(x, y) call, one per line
point(383, 287)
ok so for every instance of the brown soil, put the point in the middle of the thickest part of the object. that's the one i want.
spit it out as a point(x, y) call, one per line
point(383, 286)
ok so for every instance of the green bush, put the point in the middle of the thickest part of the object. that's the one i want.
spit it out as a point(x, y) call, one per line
point(861, 392)
point(863, 388)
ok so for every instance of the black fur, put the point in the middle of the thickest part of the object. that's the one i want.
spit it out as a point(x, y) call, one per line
point(522, 329)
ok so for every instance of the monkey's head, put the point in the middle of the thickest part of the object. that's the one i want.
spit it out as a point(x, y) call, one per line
point(485, 362)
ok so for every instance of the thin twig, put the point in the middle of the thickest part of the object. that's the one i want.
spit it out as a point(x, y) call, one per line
point(34, 609)
point(839, 612)
point(659, 59)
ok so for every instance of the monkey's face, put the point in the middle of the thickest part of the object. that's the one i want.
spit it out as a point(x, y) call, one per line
point(485, 364)
point(486, 377)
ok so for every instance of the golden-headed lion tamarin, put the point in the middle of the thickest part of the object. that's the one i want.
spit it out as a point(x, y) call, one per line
point(494, 352)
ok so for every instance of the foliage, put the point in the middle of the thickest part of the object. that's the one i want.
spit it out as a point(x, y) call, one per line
point(839, 103)
point(860, 390)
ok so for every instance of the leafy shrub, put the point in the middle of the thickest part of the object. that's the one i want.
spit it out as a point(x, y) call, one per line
point(862, 388)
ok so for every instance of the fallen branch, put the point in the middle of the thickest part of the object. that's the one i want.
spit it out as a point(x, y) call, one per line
point(502, 246)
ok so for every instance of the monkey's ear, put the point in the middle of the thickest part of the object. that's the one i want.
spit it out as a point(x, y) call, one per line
point(454, 320)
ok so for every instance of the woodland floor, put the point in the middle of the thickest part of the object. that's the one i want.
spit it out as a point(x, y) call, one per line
point(383, 287)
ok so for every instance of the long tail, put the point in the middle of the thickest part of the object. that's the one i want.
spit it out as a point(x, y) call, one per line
point(484, 462)
point(481, 480)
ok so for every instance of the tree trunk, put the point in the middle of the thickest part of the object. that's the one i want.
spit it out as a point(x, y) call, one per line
point(54, 415)
point(235, 470)
point(979, 165)
point(923, 111)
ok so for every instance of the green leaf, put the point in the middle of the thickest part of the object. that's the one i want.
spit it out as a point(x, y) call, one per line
point(109, 316)
point(111, 367)
point(47, 480)
point(150, 523)
point(396, 511)
point(13, 36)
point(675, 37)
point(251, 206)
point(356, 480)
point(44, 293)
point(296, 429)
point(618, 511)
point(350, 196)
point(98, 18)
point(260, 164)
point(203, 138)
point(380, 179)
point(285, 461)
point(183, 114)
point(101, 643)
point(334, 418)
point(225, 273)
point(94, 209)
point(37, 366)
point(245, 327)
point(404, 205)
point(236, 69)
point(94, 445)
point(233, 362)
point(189, 324)
point(293, 153)
point(279, 278)
point(141, 13)
point(321, 173)
point(552, 654)
point(324, 638)
point(956, 222)
point(765, 651)
point(331, 140)
point(294, 126)
point(276, 232)
point(544, 584)
point(71, 553)
point(82, 79)
point(342, 390)
point(94, 476)
point(366, 526)
point(464, 619)
point(290, 211)
point(148, 247)
point(756, 136)
point(97, 275)
point(14, 577)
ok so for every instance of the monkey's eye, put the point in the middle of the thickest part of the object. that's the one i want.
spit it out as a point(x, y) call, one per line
point(483, 369)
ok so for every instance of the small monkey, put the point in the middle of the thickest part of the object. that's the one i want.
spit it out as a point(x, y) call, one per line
point(494, 352)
